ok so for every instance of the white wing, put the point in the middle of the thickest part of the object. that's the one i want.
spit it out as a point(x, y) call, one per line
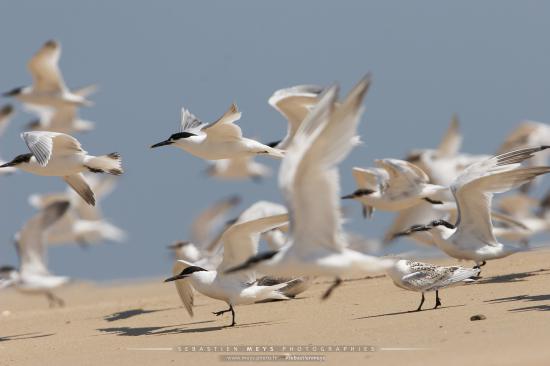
point(203, 226)
point(240, 240)
point(79, 185)
point(190, 122)
point(451, 142)
point(308, 176)
point(225, 127)
point(43, 145)
point(44, 69)
point(294, 104)
point(474, 188)
point(184, 287)
point(372, 179)
point(404, 177)
point(30, 244)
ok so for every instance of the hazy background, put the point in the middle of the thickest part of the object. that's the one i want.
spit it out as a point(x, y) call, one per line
point(488, 61)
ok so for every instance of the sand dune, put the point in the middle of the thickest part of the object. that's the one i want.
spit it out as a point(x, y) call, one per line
point(114, 324)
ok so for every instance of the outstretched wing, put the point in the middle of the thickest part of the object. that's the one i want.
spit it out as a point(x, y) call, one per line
point(184, 287)
point(44, 69)
point(43, 145)
point(225, 127)
point(451, 142)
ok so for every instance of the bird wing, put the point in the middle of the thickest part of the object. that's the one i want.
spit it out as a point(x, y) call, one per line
point(520, 137)
point(294, 104)
point(404, 177)
point(63, 118)
point(373, 179)
point(308, 176)
point(101, 185)
point(473, 190)
point(452, 140)
point(207, 220)
point(225, 127)
point(43, 145)
point(6, 112)
point(30, 241)
point(184, 287)
point(80, 186)
point(190, 122)
point(240, 240)
point(44, 69)
point(430, 277)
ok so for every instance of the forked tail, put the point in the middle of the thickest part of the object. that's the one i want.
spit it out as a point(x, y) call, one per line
point(111, 164)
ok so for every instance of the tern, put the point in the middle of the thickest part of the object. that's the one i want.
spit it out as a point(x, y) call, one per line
point(394, 186)
point(48, 88)
point(58, 154)
point(82, 223)
point(63, 118)
point(294, 104)
point(424, 277)
point(472, 237)
point(239, 168)
point(308, 177)
point(6, 112)
point(33, 276)
point(240, 242)
point(444, 164)
point(222, 139)
point(527, 134)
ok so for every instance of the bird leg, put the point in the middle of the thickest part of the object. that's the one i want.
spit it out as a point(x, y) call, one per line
point(478, 266)
point(437, 299)
point(421, 303)
point(232, 316)
point(54, 300)
point(337, 282)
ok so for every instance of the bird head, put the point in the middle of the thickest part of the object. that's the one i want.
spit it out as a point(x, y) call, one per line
point(19, 159)
point(185, 273)
point(174, 138)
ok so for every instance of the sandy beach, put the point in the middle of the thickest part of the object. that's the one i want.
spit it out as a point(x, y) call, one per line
point(143, 323)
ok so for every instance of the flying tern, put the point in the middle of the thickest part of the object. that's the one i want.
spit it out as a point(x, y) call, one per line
point(58, 154)
point(221, 139)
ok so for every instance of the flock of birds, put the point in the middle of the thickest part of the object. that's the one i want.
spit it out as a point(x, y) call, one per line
point(442, 197)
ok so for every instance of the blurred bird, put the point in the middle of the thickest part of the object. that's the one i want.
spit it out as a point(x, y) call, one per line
point(240, 242)
point(6, 112)
point(221, 139)
point(239, 168)
point(472, 237)
point(294, 104)
point(424, 277)
point(308, 178)
point(48, 88)
point(63, 118)
point(527, 134)
point(394, 186)
point(61, 155)
point(33, 276)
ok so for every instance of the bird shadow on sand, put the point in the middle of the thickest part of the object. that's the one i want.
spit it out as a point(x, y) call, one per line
point(408, 312)
point(173, 329)
point(18, 337)
point(525, 298)
point(513, 277)
point(130, 313)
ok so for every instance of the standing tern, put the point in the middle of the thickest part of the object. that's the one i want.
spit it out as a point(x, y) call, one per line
point(222, 139)
point(308, 177)
point(294, 104)
point(33, 276)
point(424, 277)
point(394, 186)
point(240, 242)
point(6, 112)
point(472, 237)
point(61, 155)
point(48, 88)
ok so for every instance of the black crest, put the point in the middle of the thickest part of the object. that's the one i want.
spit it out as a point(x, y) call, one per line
point(181, 135)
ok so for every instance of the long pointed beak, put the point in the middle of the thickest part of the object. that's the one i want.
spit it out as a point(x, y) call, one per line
point(238, 268)
point(412, 229)
point(175, 278)
point(348, 196)
point(6, 165)
point(162, 143)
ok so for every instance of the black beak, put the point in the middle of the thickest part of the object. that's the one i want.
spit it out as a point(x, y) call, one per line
point(7, 165)
point(412, 229)
point(12, 92)
point(348, 196)
point(175, 278)
point(162, 143)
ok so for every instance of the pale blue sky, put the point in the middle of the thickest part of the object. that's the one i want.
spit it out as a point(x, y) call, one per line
point(488, 61)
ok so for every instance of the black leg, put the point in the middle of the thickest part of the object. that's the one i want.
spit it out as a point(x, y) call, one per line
point(421, 303)
point(337, 282)
point(437, 300)
point(218, 313)
point(233, 315)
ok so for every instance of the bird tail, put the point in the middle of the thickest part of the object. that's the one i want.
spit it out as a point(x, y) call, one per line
point(111, 164)
point(273, 292)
